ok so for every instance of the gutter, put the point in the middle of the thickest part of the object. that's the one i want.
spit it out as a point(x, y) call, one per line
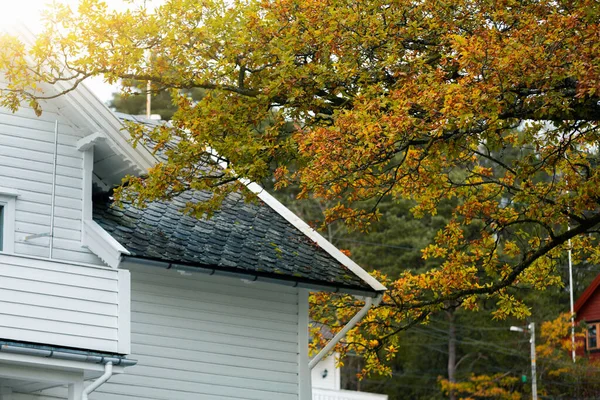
point(250, 276)
point(65, 354)
point(369, 302)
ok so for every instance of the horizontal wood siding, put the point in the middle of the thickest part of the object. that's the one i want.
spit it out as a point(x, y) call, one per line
point(590, 311)
point(207, 338)
point(26, 164)
point(59, 304)
point(203, 337)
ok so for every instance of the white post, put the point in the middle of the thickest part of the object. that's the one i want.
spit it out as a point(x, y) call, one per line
point(75, 390)
point(572, 303)
point(533, 372)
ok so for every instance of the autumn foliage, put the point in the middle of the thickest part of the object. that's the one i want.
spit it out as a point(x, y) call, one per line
point(557, 374)
point(493, 105)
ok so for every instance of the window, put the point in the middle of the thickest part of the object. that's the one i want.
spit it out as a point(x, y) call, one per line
point(592, 342)
point(8, 199)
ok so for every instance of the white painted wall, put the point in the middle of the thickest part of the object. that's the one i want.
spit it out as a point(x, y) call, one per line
point(26, 164)
point(62, 304)
point(71, 300)
point(204, 337)
point(329, 387)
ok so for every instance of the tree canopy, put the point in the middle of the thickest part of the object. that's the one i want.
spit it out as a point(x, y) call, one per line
point(492, 106)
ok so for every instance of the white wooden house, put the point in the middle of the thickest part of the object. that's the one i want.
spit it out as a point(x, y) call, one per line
point(157, 304)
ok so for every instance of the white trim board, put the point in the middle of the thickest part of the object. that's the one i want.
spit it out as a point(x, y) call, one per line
point(312, 234)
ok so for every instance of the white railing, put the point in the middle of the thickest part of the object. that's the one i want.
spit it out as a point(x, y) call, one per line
point(324, 394)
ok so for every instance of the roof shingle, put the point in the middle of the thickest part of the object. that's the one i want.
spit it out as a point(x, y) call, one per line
point(245, 237)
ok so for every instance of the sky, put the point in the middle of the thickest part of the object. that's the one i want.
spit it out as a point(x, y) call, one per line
point(29, 13)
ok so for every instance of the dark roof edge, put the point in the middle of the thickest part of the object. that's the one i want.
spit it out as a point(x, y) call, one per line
point(254, 276)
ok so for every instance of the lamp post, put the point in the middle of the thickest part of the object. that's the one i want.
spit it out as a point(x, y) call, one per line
point(531, 329)
point(571, 301)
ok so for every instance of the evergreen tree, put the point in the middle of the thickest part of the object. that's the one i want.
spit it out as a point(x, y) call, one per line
point(135, 102)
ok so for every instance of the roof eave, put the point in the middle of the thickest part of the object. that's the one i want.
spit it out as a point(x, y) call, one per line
point(252, 276)
point(98, 114)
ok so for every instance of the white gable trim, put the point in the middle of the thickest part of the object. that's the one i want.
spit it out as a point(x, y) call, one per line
point(312, 234)
point(99, 116)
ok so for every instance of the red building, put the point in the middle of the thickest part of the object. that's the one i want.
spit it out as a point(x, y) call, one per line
point(587, 308)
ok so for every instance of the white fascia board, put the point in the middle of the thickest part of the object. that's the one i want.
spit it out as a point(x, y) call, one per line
point(102, 244)
point(303, 227)
point(313, 235)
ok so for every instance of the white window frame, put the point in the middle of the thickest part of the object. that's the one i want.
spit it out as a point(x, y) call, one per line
point(8, 200)
point(595, 324)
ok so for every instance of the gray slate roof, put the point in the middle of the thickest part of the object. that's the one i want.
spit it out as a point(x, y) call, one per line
point(247, 238)
point(240, 237)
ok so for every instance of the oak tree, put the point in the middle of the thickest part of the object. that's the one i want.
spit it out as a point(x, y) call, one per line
point(418, 100)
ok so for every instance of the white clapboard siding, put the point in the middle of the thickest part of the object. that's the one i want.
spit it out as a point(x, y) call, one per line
point(62, 304)
point(206, 337)
point(26, 164)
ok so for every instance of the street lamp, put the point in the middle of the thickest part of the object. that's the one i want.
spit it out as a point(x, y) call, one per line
point(531, 329)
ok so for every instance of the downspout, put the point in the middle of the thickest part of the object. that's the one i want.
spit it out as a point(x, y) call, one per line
point(369, 302)
point(96, 384)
